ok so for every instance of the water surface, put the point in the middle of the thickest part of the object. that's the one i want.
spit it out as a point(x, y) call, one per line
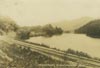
point(78, 42)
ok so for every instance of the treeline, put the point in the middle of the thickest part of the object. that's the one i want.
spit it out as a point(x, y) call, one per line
point(78, 53)
point(46, 31)
point(7, 25)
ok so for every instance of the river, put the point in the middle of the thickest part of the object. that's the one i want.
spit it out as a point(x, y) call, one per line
point(79, 42)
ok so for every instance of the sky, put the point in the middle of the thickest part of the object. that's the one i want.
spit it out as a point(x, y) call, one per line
point(38, 12)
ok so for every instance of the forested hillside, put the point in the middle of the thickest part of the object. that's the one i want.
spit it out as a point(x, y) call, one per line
point(91, 29)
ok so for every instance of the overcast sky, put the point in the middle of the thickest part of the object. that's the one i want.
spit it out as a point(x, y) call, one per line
point(33, 12)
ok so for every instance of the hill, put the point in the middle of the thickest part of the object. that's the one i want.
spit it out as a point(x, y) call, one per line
point(91, 29)
point(72, 24)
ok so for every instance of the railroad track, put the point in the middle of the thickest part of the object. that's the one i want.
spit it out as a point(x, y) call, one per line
point(55, 54)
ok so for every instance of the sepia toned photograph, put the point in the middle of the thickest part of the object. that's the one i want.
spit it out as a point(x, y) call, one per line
point(49, 33)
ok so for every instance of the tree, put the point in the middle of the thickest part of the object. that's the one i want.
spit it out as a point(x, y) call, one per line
point(58, 30)
point(48, 29)
point(7, 24)
point(23, 33)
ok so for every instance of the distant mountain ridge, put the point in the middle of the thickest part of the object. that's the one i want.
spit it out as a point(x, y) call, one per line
point(67, 25)
point(73, 24)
